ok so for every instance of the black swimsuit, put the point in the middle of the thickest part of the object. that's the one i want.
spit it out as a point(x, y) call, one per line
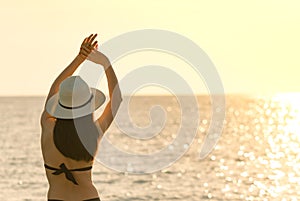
point(69, 175)
point(94, 199)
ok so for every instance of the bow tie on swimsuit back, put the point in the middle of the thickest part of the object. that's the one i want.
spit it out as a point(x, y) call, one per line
point(66, 171)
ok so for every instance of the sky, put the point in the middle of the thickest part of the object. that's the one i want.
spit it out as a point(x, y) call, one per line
point(254, 45)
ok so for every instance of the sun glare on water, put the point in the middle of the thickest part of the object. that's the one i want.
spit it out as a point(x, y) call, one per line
point(287, 140)
point(281, 115)
point(291, 99)
point(289, 112)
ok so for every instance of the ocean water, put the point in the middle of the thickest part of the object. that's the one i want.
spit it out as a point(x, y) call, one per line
point(257, 156)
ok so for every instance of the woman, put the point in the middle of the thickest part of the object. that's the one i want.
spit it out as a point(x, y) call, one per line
point(70, 136)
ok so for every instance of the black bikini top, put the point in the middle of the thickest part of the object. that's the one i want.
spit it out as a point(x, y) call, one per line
point(66, 171)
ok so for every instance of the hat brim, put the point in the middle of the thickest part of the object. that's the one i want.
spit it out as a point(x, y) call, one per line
point(56, 110)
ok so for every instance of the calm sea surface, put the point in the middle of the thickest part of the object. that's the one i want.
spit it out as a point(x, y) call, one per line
point(257, 156)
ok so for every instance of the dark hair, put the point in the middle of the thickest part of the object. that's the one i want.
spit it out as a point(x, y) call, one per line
point(76, 138)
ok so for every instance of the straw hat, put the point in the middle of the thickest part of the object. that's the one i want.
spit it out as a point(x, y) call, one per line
point(74, 99)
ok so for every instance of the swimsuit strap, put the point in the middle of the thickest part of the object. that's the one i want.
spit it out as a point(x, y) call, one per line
point(66, 171)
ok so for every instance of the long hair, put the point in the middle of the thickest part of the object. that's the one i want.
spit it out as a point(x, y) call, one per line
point(76, 138)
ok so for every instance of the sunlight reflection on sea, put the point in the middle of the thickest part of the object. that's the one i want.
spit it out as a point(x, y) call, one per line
point(257, 157)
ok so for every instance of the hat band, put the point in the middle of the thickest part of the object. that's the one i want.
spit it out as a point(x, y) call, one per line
point(67, 107)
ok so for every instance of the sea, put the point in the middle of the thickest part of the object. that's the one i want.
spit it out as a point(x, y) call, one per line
point(256, 157)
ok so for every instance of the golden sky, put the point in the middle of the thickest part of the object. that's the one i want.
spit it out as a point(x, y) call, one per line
point(253, 44)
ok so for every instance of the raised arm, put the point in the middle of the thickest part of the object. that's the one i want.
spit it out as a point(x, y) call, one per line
point(115, 95)
point(86, 47)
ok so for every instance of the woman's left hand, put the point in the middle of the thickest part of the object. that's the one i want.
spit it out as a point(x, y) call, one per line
point(88, 45)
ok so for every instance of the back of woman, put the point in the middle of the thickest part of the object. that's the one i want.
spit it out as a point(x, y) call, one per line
point(59, 144)
point(70, 136)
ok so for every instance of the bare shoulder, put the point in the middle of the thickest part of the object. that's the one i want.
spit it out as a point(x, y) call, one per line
point(46, 120)
point(100, 128)
point(47, 125)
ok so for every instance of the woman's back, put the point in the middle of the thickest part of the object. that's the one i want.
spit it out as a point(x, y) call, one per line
point(70, 137)
point(59, 186)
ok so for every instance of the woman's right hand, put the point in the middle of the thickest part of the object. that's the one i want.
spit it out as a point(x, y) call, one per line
point(99, 58)
point(88, 45)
